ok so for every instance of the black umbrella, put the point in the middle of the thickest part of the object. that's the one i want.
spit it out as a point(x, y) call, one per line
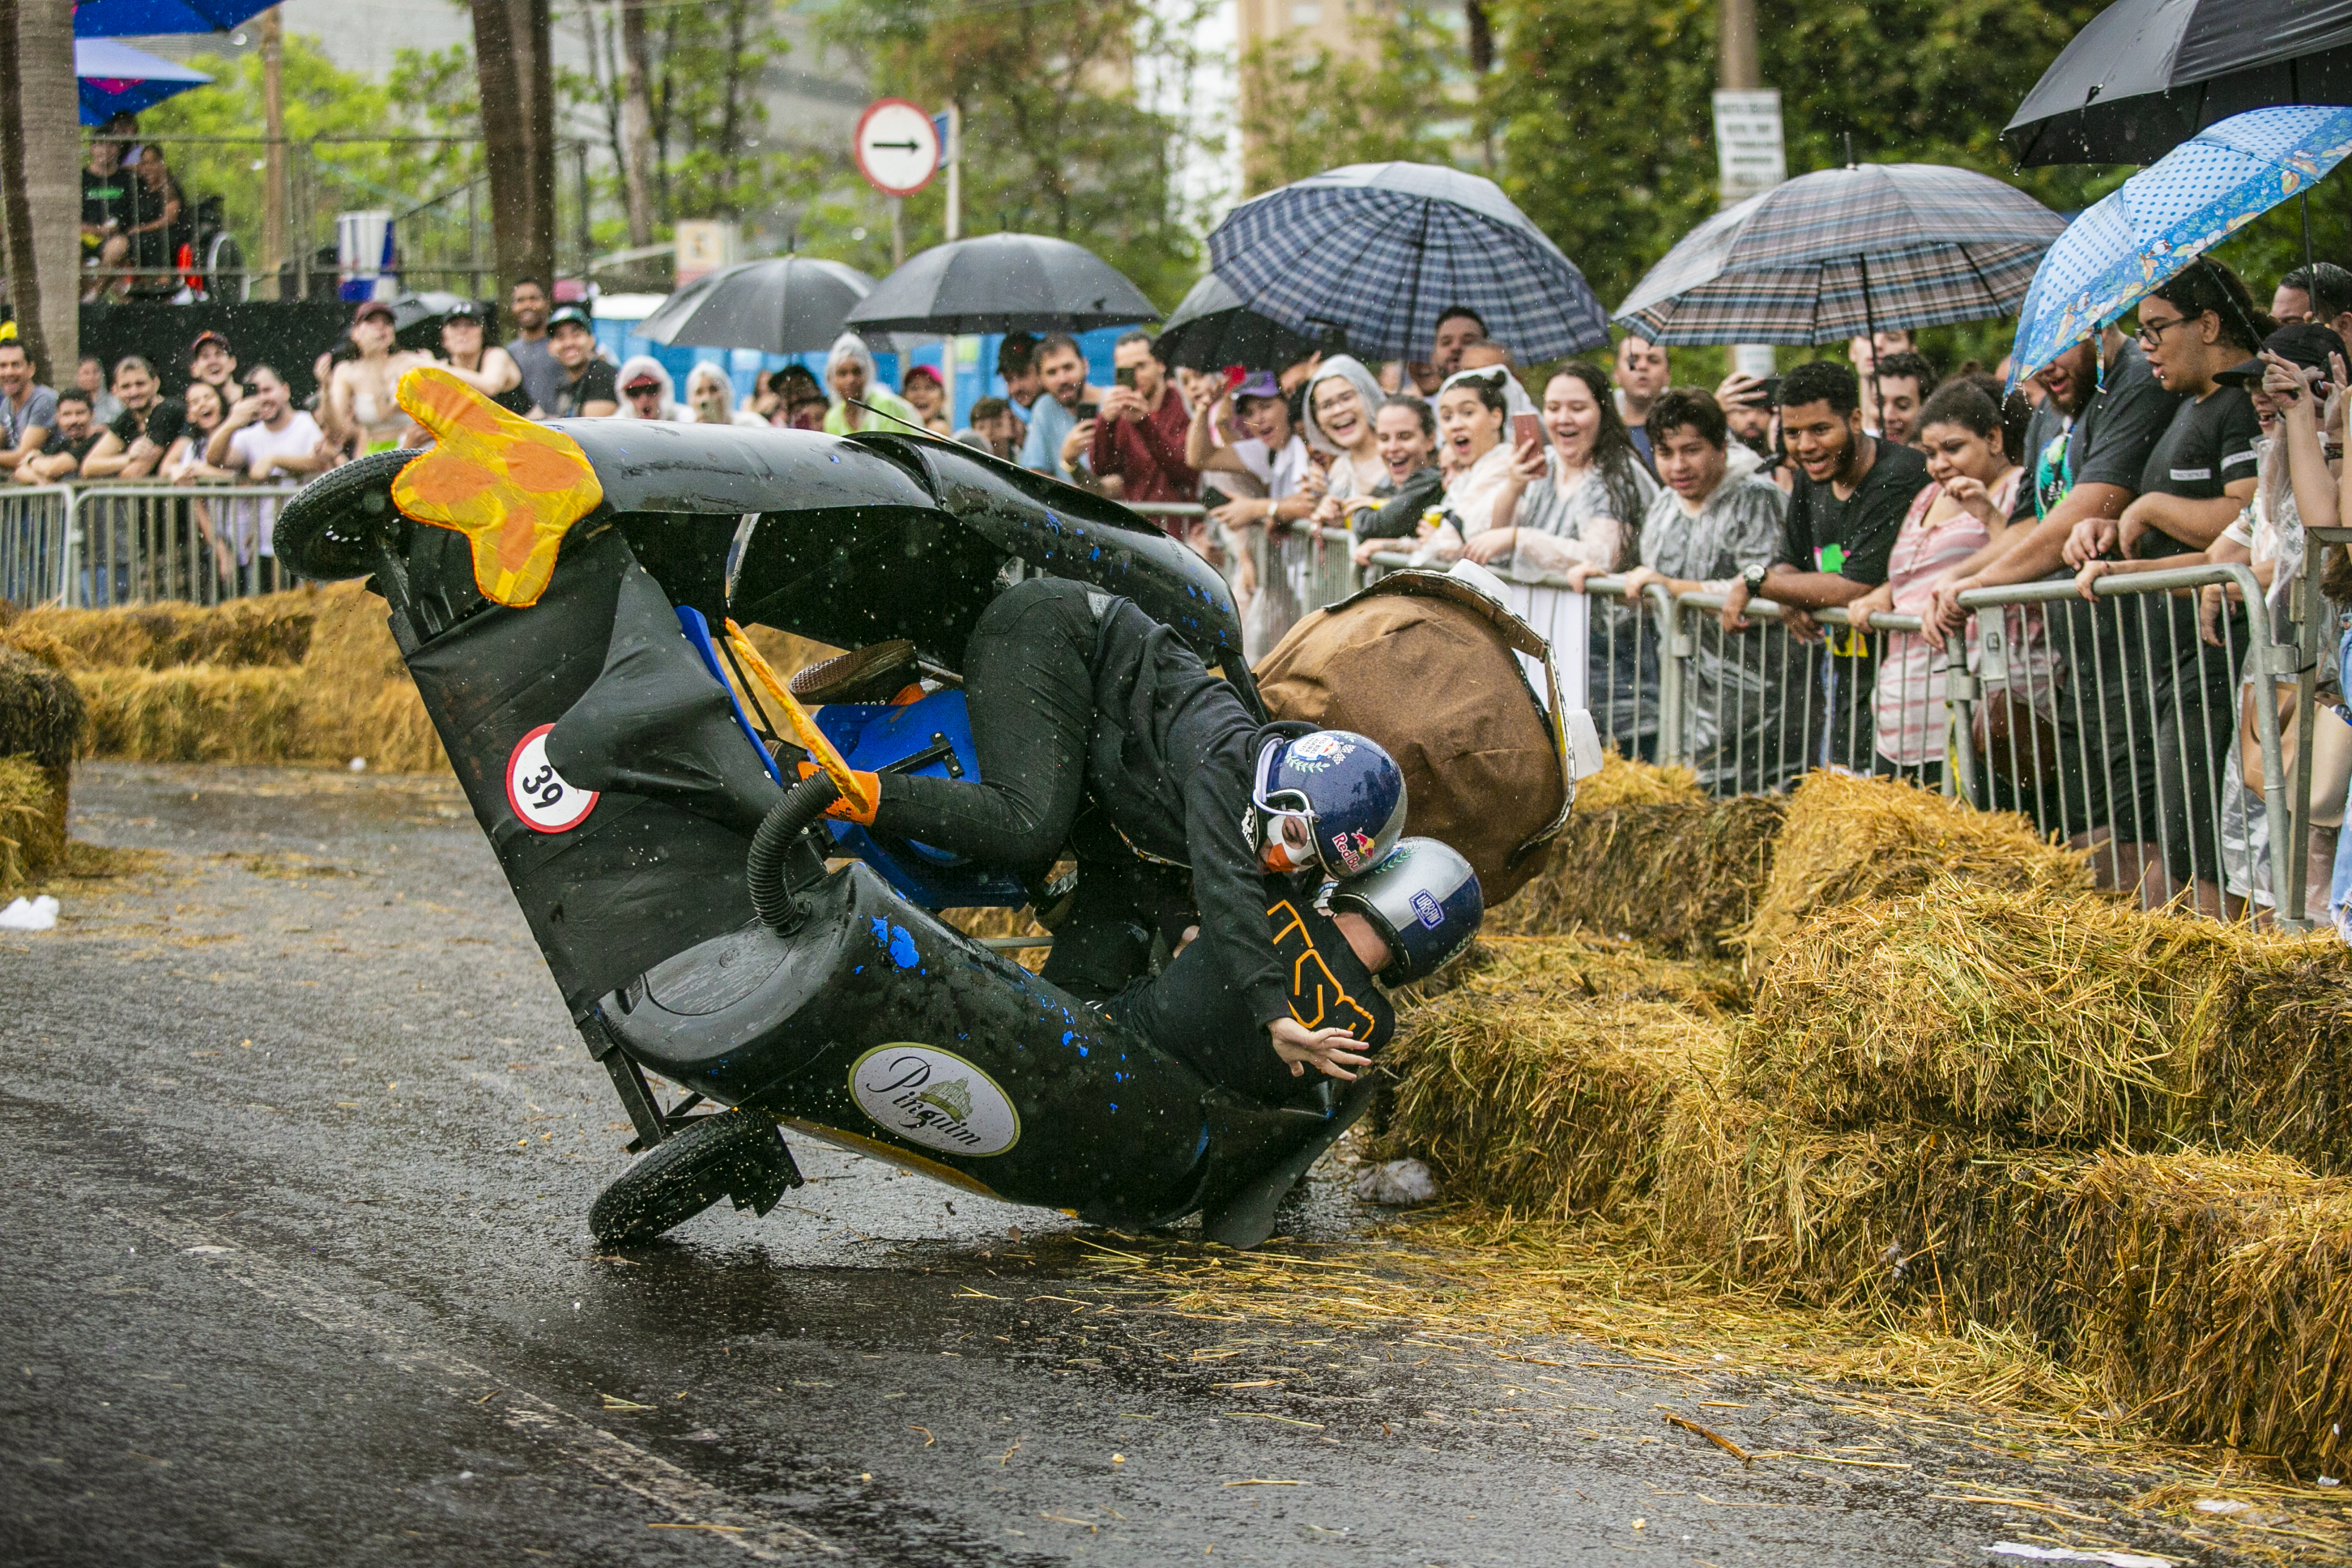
point(1003, 283)
point(417, 318)
point(2146, 75)
point(1212, 329)
point(784, 305)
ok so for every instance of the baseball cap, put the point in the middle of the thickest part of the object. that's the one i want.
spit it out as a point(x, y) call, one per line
point(374, 308)
point(2305, 343)
point(464, 310)
point(573, 315)
point(1261, 385)
point(209, 336)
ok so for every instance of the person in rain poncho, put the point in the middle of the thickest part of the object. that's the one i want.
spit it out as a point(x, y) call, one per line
point(849, 372)
point(710, 399)
point(648, 392)
point(1341, 424)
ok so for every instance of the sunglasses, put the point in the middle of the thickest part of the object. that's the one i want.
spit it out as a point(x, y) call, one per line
point(638, 393)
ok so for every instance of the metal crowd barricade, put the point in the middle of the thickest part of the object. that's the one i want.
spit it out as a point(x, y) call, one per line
point(2127, 737)
point(34, 520)
point(135, 543)
point(1758, 708)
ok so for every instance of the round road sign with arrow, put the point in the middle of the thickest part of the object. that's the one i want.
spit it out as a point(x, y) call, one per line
point(897, 146)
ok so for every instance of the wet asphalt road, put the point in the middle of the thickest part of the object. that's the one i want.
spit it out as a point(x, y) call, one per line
point(294, 1269)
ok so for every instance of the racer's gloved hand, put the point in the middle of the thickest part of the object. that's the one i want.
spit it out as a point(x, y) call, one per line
point(846, 810)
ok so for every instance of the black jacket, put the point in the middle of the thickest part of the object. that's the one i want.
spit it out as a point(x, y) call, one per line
point(1399, 516)
point(1170, 764)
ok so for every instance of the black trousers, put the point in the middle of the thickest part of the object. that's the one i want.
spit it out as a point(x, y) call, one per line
point(1029, 689)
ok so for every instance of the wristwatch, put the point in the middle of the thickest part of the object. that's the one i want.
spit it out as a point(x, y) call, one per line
point(1754, 577)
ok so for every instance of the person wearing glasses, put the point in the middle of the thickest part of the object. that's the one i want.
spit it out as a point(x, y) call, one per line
point(1098, 730)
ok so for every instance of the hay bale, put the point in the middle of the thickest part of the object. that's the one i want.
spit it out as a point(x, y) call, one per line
point(2064, 1019)
point(1540, 1081)
point(197, 713)
point(1851, 839)
point(2216, 1296)
point(32, 824)
point(360, 698)
point(1895, 1215)
point(271, 631)
point(1681, 875)
point(2275, 1045)
point(1623, 782)
point(41, 713)
point(42, 721)
point(31, 639)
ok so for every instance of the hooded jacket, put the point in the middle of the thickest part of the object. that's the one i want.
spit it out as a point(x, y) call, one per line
point(637, 368)
point(843, 420)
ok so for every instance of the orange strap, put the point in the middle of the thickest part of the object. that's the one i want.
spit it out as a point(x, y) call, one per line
point(862, 792)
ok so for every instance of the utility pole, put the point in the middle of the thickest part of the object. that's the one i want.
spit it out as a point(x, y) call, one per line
point(273, 120)
point(951, 153)
point(1750, 157)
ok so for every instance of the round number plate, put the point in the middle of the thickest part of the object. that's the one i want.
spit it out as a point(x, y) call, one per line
point(537, 793)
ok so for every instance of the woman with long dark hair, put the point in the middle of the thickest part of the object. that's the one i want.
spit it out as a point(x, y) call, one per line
point(1578, 497)
point(2200, 475)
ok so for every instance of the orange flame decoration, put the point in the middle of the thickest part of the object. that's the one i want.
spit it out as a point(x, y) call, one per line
point(512, 488)
point(820, 750)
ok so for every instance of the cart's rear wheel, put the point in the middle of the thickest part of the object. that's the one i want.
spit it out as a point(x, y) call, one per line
point(732, 1155)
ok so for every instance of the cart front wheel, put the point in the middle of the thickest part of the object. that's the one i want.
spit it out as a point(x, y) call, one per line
point(733, 1154)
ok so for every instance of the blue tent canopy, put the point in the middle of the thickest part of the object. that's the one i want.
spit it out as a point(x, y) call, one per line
point(116, 78)
point(147, 18)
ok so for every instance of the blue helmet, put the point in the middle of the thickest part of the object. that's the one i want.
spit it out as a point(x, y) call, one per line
point(1424, 902)
point(1344, 785)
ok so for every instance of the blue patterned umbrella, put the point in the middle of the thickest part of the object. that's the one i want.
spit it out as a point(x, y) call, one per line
point(1838, 252)
point(2168, 215)
point(1377, 250)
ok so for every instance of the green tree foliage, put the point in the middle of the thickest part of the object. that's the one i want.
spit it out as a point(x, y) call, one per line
point(1071, 126)
point(1303, 112)
point(214, 137)
point(1604, 112)
point(712, 154)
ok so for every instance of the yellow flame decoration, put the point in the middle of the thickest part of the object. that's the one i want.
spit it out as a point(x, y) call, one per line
point(812, 739)
point(512, 488)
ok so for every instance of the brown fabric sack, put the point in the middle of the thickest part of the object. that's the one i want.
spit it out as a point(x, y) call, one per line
point(1434, 682)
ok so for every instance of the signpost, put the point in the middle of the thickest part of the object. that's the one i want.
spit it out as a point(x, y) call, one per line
point(1751, 159)
point(899, 147)
point(898, 151)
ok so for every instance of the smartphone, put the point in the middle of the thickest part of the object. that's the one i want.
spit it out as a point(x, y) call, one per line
point(1088, 411)
point(1771, 389)
point(1125, 377)
point(1526, 430)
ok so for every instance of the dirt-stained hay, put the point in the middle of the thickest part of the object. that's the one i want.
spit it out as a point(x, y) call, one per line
point(1852, 840)
point(1681, 875)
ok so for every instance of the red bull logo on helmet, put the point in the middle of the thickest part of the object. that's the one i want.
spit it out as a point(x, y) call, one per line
point(1355, 850)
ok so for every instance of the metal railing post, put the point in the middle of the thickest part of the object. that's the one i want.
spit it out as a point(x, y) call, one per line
point(1961, 693)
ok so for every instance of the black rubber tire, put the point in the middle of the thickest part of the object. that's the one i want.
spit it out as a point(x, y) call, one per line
point(680, 1176)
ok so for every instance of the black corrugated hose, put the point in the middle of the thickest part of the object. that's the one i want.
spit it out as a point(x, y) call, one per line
point(779, 830)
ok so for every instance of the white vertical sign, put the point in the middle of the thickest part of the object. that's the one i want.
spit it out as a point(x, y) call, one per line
point(1749, 157)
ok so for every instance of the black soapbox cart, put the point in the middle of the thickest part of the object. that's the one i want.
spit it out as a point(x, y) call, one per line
point(679, 888)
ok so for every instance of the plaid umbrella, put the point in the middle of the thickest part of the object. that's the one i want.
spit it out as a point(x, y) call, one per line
point(2168, 215)
point(1842, 251)
point(1376, 250)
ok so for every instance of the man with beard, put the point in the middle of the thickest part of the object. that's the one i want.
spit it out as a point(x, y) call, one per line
point(1140, 438)
point(1058, 436)
point(1850, 491)
point(1642, 372)
point(531, 349)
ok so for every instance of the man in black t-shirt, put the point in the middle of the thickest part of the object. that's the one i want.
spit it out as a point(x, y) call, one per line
point(1851, 491)
point(68, 444)
point(585, 386)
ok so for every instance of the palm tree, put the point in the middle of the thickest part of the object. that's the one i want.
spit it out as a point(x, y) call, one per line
point(516, 74)
point(40, 183)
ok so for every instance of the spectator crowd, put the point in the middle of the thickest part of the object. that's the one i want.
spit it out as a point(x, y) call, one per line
point(1872, 484)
